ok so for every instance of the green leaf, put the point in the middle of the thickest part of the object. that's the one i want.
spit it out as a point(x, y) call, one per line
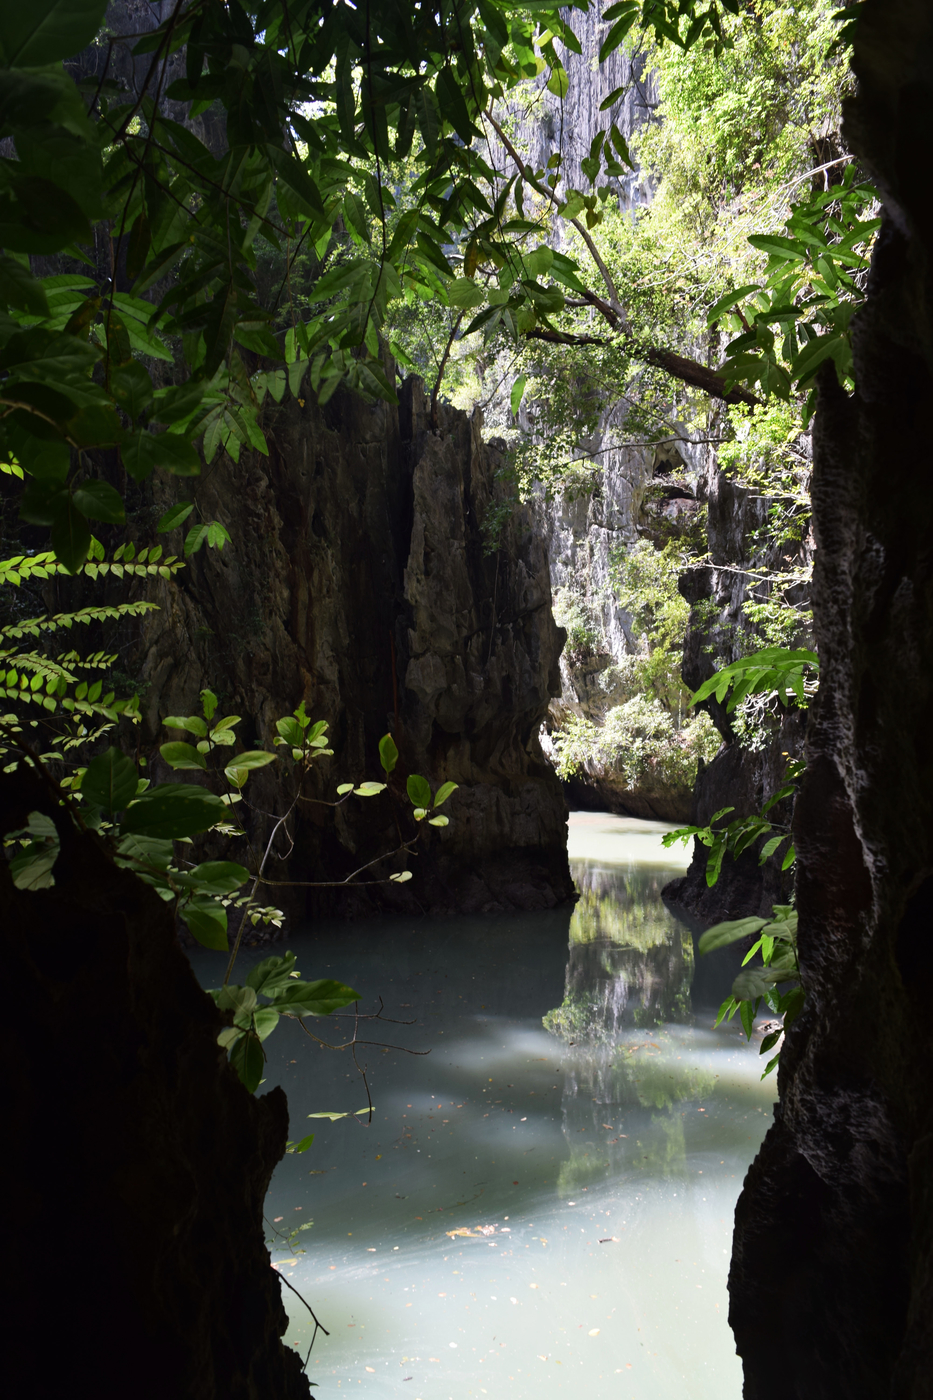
point(248, 1060)
point(174, 517)
point(751, 983)
point(71, 537)
point(774, 244)
point(100, 501)
point(401, 876)
point(218, 877)
point(613, 97)
point(729, 300)
point(110, 780)
point(131, 386)
point(193, 723)
point(813, 354)
point(179, 755)
point(272, 974)
point(32, 868)
point(194, 539)
point(334, 1116)
point(721, 935)
point(18, 288)
point(438, 821)
point(174, 810)
point(419, 790)
point(253, 758)
point(574, 205)
point(558, 83)
point(143, 451)
point(47, 31)
point(302, 1145)
point(388, 753)
point(616, 34)
point(240, 1000)
point(770, 847)
point(315, 998)
point(265, 1020)
point(443, 792)
point(147, 850)
point(518, 389)
point(464, 293)
point(207, 922)
point(369, 789)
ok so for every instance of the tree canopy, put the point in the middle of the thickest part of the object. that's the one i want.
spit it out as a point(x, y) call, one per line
point(249, 127)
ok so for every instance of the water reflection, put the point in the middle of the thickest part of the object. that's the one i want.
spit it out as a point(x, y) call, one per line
point(630, 962)
point(630, 966)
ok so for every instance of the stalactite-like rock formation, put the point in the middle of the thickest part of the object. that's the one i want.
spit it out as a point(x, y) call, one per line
point(832, 1273)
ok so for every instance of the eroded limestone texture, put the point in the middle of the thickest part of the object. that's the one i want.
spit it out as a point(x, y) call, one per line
point(359, 582)
point(832, 1273)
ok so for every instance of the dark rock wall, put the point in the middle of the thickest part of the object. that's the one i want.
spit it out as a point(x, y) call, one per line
point(132, 1153)
point(357, 581)
point(832, 1273)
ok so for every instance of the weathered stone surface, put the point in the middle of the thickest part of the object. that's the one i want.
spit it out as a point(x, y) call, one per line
point(832, 1273)
point(133, 1142)
point(742, 775)
point(358, 582)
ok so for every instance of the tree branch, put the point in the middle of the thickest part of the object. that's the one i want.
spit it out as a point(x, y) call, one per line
point(614, 303)
point(677, 366)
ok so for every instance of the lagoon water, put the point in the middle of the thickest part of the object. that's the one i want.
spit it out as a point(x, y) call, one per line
point(544, 1198)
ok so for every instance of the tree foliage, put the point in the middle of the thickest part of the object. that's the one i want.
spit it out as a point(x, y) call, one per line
point(321, 103)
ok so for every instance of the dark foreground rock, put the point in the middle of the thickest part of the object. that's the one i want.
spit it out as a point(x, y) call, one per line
point(832, 1272)
point(135, 1163)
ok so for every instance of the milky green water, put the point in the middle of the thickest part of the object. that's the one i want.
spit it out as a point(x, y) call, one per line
point(543, 1202)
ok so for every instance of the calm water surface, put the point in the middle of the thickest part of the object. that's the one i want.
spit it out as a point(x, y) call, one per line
point(545, 1198)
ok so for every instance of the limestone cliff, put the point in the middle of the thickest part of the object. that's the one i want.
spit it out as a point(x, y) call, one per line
point(357, 581)
point(833, 1250)
point(749, 767)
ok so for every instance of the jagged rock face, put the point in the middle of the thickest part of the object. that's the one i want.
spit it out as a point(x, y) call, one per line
point(741, 776)
point(833, 1250)
point(130, 1134)
point(572, 124)
point(358, 582)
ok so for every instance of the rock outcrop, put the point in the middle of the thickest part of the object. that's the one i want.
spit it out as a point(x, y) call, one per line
point(832, 1272)
point(133, 1140)
point(358, 582)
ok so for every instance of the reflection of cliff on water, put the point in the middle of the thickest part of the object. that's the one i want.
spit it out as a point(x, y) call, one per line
point(631, 962)
point(630, 968)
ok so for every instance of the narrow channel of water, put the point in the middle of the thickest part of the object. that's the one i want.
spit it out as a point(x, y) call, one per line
point(545, 1198)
